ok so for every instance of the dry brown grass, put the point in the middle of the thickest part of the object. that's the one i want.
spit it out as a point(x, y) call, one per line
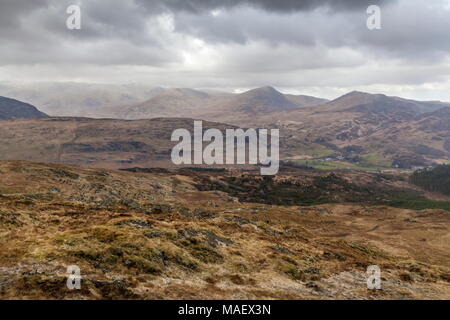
point(147, 236)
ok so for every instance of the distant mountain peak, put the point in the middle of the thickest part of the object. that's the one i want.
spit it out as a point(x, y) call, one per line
point(262, 90)
point(184, 92)
point(361, 95)
point(267, 88)
point(267, 98)
point(356, 93)
point(367, 103)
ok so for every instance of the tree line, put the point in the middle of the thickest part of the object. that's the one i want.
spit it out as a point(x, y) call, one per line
point(434, 180)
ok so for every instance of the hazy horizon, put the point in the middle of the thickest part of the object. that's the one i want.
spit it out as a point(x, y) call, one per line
point(287, 91)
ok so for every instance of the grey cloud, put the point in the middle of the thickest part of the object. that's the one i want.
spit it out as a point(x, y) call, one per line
point(411, 30)
point(12, 10)
point(118, 21)
point(415, 30)
point(199, 6)
point(113, 33)
point(251, 42)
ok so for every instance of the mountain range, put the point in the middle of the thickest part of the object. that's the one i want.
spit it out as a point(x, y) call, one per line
point(184, 102)
point(355, 130)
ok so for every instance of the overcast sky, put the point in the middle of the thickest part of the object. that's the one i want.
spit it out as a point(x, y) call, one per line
point(317, 47)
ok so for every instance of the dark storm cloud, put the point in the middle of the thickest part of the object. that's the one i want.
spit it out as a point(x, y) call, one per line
point(11, 10)
point(34, 31)
point(40, 26)
point(113, 32)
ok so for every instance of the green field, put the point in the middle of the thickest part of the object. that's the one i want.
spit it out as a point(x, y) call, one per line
point(376, 160)
point(411, 200)
point(319, 152)
point(334, 165)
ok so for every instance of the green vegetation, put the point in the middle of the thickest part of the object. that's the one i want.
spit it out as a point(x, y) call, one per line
point(333, 165)
point(203, 169)
point(319, 152)
point(419, 204)
point(406, 199)
point(330, 188)
point(376, 160)
point(367, 162)
point(435, 180)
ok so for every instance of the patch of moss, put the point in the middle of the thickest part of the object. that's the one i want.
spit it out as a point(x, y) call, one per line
point(294, 272)
point(204, 253)
point(104, 234)
point(185, 262)
point(142, 264)
point(64, 174)
point(91, 256)
point(161, 209)
point(365, 250)
point(413, 200)
point(289, 260)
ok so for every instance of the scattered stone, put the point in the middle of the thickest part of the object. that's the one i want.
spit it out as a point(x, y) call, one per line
point(406, 277)
point(334, 255)
point(10, 219)
point(139, 224)
point(54, 190)
point(152, 234)
point(200, 213)
point(161, 209)
point(65, 174)
point(282, 249)
point(210, 238)
point(311, 271)
point(314, 286)
point(241, 220)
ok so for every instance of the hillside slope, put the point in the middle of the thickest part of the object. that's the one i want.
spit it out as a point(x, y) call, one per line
point(14, 109)
point(379, 131)
point(156, 236)
point(183, 102)
point(105, 143)
point(79, 99)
